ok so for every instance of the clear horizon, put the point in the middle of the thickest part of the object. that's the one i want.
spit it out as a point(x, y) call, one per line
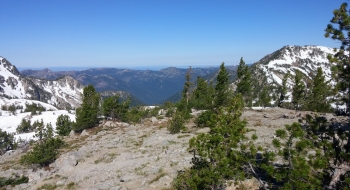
point(141, 34)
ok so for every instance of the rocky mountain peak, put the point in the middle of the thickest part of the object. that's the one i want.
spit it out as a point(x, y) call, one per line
point(64, 92)
point(289, 58)
point(4, 64)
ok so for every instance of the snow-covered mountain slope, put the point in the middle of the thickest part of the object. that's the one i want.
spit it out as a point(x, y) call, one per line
point(289, 58)
point(62, 93)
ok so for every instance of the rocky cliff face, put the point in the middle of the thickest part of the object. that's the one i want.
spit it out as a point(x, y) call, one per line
point(62, 93)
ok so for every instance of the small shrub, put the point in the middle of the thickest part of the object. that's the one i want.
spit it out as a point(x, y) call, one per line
point(45, 149)
point(63, 125)
point(24, 126)
point(7, 142)
point(176, 123)
point(206, 119)
point(13, 181)
point(34, 108)
point(70, 185)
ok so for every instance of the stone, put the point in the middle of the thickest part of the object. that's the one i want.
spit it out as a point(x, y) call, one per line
point(84, 133)
point(154, 119)
point(67, 162)
point(72, 133)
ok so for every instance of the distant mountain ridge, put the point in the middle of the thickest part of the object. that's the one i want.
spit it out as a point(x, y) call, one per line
point(149, 86)
point(154, 87)
point(62, 93)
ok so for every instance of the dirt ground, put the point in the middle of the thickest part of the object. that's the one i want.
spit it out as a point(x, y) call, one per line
point(133, 156)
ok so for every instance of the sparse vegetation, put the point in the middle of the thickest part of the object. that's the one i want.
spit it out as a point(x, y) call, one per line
point(13, 181)
point(7, 142)
point(45, 149)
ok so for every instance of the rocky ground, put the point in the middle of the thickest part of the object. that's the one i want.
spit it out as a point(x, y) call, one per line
point(118, 155)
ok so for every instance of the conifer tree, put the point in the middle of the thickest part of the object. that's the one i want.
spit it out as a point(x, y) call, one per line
point(265, 97)
point(222, 87)
point(45, 149)
point(244, 82)
point(86, 115)
point(112, 107)
point(183, 106)
point(298, 92)
point(203, 94)
point(63, 125)
point(187, 86)
point(341, 33)
point(318, 95)
point(283, 90)
point(220, 154)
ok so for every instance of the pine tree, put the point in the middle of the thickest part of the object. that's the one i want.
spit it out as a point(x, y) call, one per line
point(45, 149)
point(203, 94)
point(220, 154)
point(265, 97)
point(86, 115)
point(113, 108)
point(187, 85)
point(183, 106)
point(283, 90)
point(222, 87)
point(63, 125)
point(298, 92)
point(342, 34)
point(244, 82)
point(318, 95)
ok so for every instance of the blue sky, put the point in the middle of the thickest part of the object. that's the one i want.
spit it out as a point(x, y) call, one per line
point(152, 33)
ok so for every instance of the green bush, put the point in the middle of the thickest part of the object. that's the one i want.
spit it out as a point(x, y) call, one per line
point(206, 119)
point(34, 108)
point(24, 126)
point(13, 181)
point(45, 149)
point(7, 142)
point(63, 125)
point(176, 123)
point(87, 114)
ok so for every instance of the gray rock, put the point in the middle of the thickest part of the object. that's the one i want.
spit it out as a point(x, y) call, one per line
point(154, 120)
point(72, 133)
point(203, 130)
point(34, 176)
point(132, 133)
point(67, 162)
point(61, 182)
point(84, 133)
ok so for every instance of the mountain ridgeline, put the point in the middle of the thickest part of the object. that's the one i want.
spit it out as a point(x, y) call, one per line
point(155, 87)
point(150, 87)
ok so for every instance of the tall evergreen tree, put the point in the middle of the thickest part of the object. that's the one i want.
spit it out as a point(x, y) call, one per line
point(298, 92)
point(319, 92)
point(244, 82)
point(187, 86)
point(203, 94)
point(341, 33)
point(63, 125)
point(283, 90)
point(86, 115)
point(265, 97)
point(222, 87)
point(114, 108)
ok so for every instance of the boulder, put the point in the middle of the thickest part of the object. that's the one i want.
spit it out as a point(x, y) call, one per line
point(67, 162)
point(34, 176)
point(72, 133)
point(154, 119)
point(84, 133)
